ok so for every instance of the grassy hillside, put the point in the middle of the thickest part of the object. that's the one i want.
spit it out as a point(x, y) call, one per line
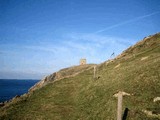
point(136, 71)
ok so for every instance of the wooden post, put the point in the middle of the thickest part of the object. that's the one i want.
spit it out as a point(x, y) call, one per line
point(119, 109)
point(94, 74)
point(120, 95)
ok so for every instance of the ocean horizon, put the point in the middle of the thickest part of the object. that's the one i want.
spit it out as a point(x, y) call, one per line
point(9, 88)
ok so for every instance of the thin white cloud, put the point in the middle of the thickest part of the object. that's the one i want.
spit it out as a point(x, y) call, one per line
point(41, 48)
point(47, 48)
point(126, 22)
point(98, 40)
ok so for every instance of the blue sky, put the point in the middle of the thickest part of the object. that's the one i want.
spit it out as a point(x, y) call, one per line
point(39, 37)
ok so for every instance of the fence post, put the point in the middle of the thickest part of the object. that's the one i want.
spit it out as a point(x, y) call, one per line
point(120, 95)
point(94, 74)
point(119, 109)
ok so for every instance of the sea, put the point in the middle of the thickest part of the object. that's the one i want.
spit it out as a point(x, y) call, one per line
point(9, 88)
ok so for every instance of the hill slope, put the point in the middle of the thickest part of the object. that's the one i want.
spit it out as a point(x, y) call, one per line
point(63, 73)
point(136, 71)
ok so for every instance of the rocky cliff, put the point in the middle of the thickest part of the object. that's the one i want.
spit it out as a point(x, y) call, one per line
point(63, 73)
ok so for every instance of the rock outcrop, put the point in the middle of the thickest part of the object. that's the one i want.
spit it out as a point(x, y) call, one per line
point(63, 73)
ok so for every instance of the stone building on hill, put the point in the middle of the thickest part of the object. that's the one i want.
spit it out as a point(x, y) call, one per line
point(83, 61)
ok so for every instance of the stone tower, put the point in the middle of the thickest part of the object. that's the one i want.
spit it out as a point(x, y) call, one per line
point(83, 61)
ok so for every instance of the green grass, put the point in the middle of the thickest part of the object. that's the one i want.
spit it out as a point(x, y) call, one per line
point(83, 98)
